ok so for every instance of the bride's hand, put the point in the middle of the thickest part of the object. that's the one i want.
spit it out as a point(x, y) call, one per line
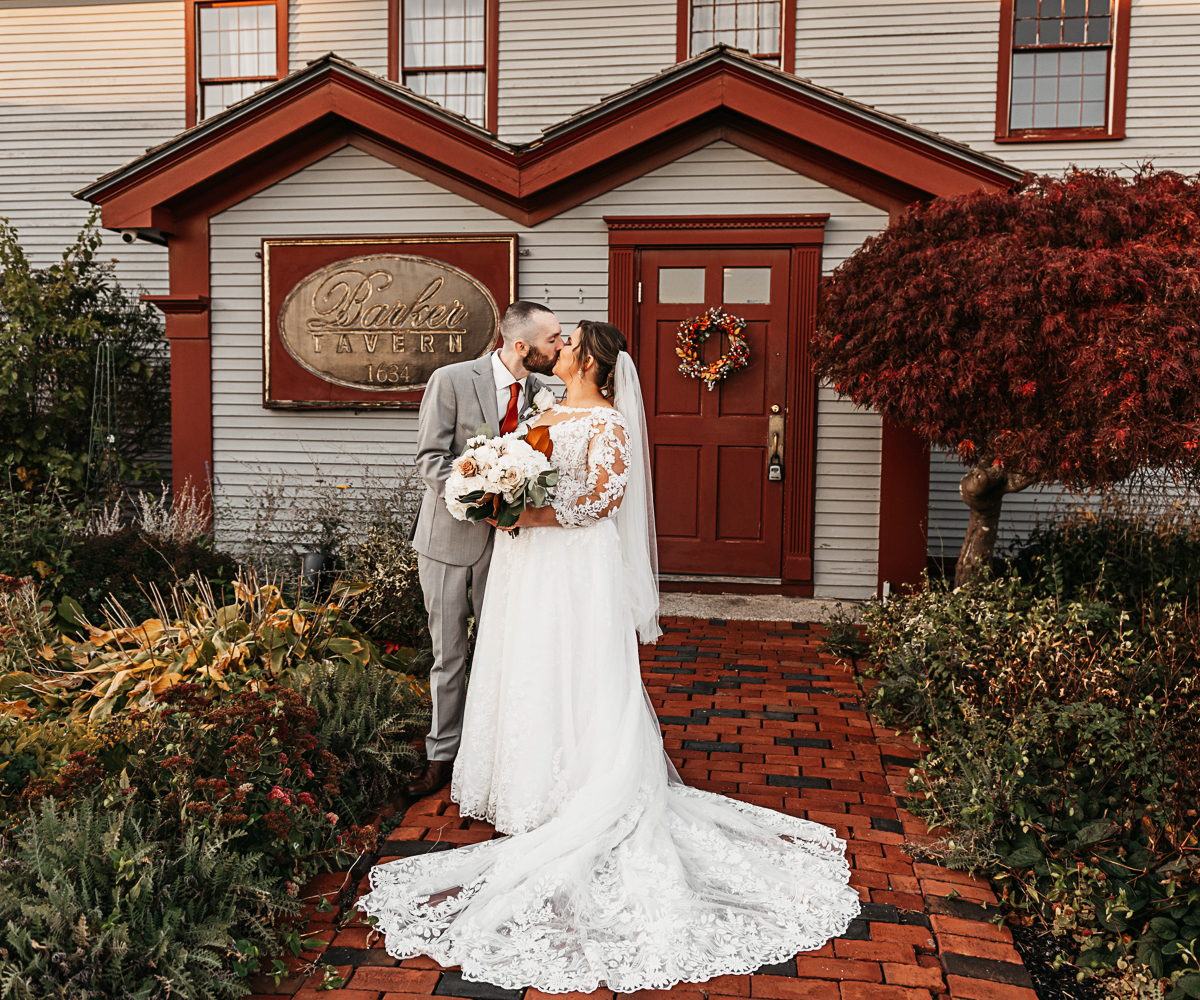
point(537, 517)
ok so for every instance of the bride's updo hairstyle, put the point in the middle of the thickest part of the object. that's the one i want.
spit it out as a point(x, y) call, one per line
point(601, 342)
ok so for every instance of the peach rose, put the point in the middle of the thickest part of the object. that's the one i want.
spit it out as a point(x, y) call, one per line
point(466, 466)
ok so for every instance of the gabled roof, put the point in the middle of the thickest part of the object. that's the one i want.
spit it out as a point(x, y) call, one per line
point(720, 94)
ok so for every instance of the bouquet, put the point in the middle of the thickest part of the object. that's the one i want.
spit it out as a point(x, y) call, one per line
point(499, 477)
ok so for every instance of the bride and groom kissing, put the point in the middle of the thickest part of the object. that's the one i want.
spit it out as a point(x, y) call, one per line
point(612, 871)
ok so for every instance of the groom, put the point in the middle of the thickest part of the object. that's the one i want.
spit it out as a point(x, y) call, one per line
point(453, 555)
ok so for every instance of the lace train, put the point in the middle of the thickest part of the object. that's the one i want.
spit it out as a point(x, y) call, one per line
point(613, 872)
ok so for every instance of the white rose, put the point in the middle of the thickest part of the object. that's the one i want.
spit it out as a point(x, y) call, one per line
point(543, 400)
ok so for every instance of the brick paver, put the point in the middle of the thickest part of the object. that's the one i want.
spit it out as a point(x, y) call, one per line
point(752, 710)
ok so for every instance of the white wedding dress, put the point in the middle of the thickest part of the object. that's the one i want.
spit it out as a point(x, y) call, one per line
point(615, 873)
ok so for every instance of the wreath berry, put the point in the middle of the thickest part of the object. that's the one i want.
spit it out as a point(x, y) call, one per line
point(693, 332)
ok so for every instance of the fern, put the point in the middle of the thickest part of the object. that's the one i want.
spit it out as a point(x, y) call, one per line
point(95, 905)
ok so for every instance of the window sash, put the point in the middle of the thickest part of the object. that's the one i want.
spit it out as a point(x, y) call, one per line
point(1060, 66)
point(236, 53)
point(443, 53)
point(753, 25)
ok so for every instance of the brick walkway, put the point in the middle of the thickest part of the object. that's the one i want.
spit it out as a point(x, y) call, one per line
point(752, 710)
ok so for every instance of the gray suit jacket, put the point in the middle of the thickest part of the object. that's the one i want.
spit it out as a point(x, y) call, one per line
point(457, 400)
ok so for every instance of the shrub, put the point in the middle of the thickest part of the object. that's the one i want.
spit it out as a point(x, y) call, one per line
point(393, 610)
point(122, 565)
point(100, 905)
point(38, 533)
point(1134, 548)
point(58, 325)
point(1064, 757)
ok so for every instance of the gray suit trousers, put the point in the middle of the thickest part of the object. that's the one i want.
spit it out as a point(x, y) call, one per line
point(445, 589)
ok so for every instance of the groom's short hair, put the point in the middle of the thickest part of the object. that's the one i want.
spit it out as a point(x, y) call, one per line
point(519, 318)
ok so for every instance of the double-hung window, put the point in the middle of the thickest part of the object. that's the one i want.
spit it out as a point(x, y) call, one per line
point(1062, 69)
point(236, 49)
point(444, 54)
point(763, 28)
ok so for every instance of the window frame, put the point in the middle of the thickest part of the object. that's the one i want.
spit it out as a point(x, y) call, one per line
point(787, 33)
point(491, 57)
point(1118, 80)
point(191, 42)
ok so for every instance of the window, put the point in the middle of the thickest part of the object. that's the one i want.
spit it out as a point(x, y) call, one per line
point(234, 49)
point(1062, 69)
point(764, 28)
point(444, 54)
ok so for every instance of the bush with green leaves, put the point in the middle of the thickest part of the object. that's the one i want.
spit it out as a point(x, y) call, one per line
point(106, 904)
point(1132, 548)
point(39, 532)
point(1064, 755)
point(56, 324)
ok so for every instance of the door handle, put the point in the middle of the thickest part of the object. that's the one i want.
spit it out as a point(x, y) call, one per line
point(775, 446)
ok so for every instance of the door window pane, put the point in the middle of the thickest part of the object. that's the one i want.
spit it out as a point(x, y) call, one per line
point(681, 284)
point(747, 285)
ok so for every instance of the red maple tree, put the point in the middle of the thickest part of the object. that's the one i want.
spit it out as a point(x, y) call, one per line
point(1050, 333)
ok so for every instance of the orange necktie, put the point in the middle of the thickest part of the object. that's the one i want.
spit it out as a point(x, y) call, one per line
point(510, 415)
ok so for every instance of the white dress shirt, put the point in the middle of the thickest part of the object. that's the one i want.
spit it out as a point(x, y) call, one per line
point(504, 378)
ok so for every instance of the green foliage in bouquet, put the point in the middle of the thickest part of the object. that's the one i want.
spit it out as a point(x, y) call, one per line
point(106, 905)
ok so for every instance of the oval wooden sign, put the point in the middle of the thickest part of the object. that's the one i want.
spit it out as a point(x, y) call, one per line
point(386, 321)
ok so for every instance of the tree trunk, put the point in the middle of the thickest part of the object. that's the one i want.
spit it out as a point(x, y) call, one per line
point(983, 490)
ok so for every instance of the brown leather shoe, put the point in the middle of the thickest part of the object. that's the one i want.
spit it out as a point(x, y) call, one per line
point(435, 776)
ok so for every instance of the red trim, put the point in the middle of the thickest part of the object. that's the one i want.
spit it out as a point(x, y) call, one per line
point(179, 305)
point(903, 506)
point(393, 40)
point(491, 87)
point(191, 47)
point(723, 100)
point(787, 43)
point(622, 286)
point(1118, 82)
point(191, 359)
point(674, 230)
point(683, 29)
point(805, 234)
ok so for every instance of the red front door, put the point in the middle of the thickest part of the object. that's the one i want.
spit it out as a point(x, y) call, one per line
point(717, 513)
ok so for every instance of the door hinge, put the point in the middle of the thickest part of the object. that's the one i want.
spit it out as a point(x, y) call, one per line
point(639, 293)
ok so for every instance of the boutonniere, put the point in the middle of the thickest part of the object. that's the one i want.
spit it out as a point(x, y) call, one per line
point(542, 401)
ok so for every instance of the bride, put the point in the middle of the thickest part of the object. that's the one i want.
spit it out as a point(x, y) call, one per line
point(613, 872)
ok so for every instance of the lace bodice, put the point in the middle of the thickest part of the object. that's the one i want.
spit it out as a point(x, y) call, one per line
point(590, 455)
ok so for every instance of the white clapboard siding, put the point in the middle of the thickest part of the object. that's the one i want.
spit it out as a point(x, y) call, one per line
point(556, 58)
point(84, 89)
point(846, 515)
point(352, 192)
point(354, 29)
point(1020, 512)
point(934, 63)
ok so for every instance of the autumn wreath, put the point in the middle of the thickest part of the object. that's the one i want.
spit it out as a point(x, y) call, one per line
point(693, 332)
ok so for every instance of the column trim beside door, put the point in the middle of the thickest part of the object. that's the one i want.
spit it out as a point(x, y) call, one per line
point(805, 236)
